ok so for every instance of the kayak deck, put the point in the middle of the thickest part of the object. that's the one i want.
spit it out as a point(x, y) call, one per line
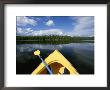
point(57, 63)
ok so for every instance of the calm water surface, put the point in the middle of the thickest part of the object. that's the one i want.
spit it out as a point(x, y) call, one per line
point(80, 55)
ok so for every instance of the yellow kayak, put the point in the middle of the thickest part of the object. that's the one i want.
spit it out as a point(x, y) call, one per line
point(57, 63)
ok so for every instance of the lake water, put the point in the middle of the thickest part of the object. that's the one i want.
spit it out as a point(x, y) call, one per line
point(80, 55)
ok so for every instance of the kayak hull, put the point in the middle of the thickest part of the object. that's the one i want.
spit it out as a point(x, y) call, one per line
point(57, 63)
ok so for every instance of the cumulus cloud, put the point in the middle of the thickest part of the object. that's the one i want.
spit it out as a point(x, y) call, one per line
point(30, 32)
point(49, 23)
point(24, 31)
point(84, 26)
point(48, 32)
point(23, 21)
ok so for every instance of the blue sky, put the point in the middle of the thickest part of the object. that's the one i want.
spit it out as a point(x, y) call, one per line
point(55, 25)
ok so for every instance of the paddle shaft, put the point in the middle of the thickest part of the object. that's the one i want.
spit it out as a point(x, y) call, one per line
point(45, 65)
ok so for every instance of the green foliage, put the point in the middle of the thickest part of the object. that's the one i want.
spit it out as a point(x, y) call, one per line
point(51, 39)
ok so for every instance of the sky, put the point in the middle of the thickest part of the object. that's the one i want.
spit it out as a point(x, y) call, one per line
point(55, 25)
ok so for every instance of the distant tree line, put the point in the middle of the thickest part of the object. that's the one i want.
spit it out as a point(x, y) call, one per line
point(56, 39)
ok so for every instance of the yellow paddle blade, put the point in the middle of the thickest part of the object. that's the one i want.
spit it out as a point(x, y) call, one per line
point(37, 52)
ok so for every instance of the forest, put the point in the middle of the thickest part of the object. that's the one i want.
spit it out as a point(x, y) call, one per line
point(52, 39)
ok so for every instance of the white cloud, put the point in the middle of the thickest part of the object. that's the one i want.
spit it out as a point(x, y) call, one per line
point(19, 30)
point(84, 26)
point(48, 32)
point(49, 23)
point(24, 31)
point(30, 32)
point(23, 21)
